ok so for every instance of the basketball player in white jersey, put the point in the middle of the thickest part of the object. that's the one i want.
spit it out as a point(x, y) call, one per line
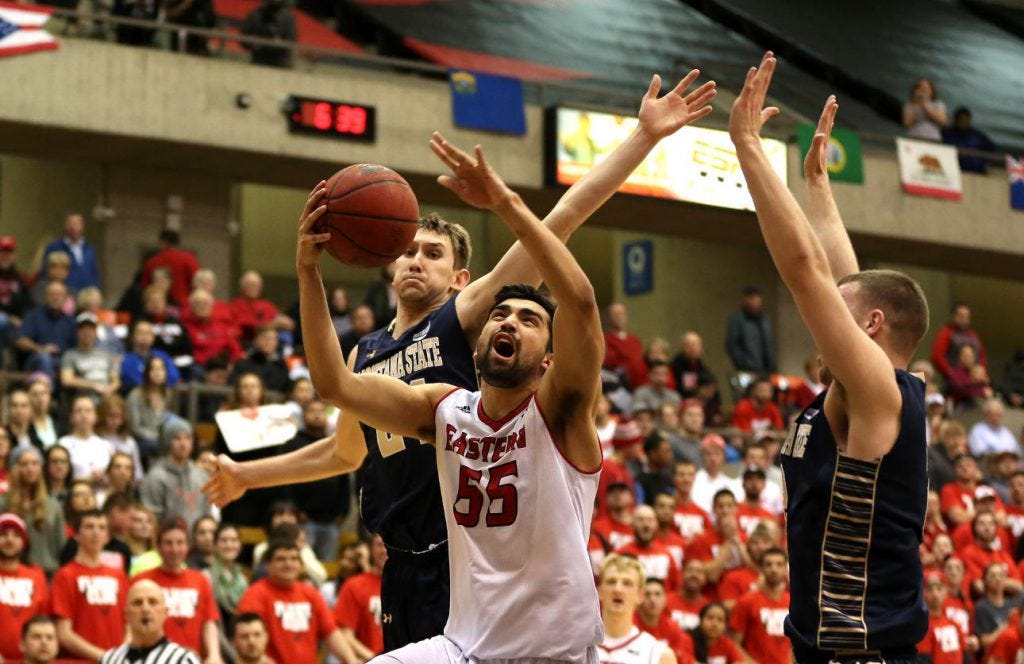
point(621, 589)
point(518, 462)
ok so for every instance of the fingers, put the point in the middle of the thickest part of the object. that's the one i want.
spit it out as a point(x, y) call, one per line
point(828, 115)
point(313, 200)
point(310, 219)
point(654, 88)
point(454, 153)
point(707, 90)
point(480, 159)
point(702, 100)
point(699, 113)
point(442, 154)
point(448, 182)
point(769, 113)
point(686, 82)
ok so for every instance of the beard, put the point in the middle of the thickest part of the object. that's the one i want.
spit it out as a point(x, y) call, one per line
point(503, 376)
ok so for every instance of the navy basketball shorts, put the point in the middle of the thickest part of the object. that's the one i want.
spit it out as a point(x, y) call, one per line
point(414, 596)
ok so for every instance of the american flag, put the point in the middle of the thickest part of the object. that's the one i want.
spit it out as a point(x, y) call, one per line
point(1015, 171)
point(21, 29)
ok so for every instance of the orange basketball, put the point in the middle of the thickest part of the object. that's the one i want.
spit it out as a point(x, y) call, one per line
point(372, 215)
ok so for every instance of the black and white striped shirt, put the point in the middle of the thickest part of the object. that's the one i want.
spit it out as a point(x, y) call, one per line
point(163, 652)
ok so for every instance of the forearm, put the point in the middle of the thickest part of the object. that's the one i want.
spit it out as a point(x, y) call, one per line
point(313, 462)
point(327, 367)
point(827, 224)
point(75, 644)
point(27, 345)
point(211, 639)
point(340, 648)
point(791, 242)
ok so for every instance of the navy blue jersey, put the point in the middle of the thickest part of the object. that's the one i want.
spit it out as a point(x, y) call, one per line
point(399, 493)
point(854, 528)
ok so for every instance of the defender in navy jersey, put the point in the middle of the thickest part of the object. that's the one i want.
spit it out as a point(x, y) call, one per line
point(398, 501)
point(855, 459)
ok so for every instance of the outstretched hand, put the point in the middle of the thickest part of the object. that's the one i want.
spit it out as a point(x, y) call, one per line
point(748, 111)
point(309, 246)
point(473, 180)
point(225, 485)
point(816, 161)
point(661, 117)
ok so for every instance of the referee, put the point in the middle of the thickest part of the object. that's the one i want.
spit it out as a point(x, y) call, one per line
point(145, 614)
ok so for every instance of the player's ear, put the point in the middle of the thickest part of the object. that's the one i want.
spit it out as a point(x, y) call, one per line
point(461, 279)
point(546, 362)
point(875, 321)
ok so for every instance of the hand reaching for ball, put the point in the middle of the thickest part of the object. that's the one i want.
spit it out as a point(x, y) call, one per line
point(473, 179)
point(309, 246)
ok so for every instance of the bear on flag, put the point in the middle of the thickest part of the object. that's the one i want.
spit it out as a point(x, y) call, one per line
point(21, 29)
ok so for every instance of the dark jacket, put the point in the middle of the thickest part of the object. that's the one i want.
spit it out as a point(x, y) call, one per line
point(324, 500)
point(749, 342)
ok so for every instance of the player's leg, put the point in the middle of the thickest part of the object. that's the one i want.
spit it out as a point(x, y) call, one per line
point(436, 650)
point(414, 597)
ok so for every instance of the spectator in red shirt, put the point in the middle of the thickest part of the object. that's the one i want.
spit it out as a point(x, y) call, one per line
point(710, 643)
point(1008, 647)
point(180, 264)
point(954, 335)
point(206, 279)
point(958, 606)
point(738, 581)
point(691, 520)
point(668, 535)
point(1015, 508)
point(812, 385)
point(756, 412)
point(688, 366)
point(957, 498)
point(623, 352)
point(615, 529)
point(625, 460)
point(210, 337)
point(38, 641)
point(295, 614)
point(943, 643)
point(87, 597)
point(652, 618)
point(758, 617)
point(721, 548)
point(250, 639)
point(985, 550)
point(23, 590)
point(192, 615)
point(985, 502)
point(620, 588)
point(751, 512)
point(250, 310)
point(968, 382)
point(357, 612)
point(653, 555)
point(685, 607)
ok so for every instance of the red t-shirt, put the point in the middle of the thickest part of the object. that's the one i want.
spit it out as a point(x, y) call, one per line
point(23, 595)
point(250, 314)
point(657, 561)
point(296, 618)
point(616, 534)
point(963, 537)
point(190, 604)
point(976, 559)
point(760, 619)
point(678, 641)
point(724, 651)
point(612, 472)
point(211, 338)
point(751, 515)
point(358, 608)
point(960, 612)
point(685, 614)
point(748, 417)
point(1006, 648)
point(675, 543)
point(182, 266)
point(691, 520)
point(736, 583)
point(625, 351)
point(706, 548)
point(1015, 522)
point(955, 494)
point(93, 599)
point(943, 641)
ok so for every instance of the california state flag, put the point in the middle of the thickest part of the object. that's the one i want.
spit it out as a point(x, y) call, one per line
point(21, 29)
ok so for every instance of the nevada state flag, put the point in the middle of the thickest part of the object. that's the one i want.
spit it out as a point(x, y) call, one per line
point(21, 29)
point(1015, 169)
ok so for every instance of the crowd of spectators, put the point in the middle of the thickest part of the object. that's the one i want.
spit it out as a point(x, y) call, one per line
point(925, 116)
point(102, 464)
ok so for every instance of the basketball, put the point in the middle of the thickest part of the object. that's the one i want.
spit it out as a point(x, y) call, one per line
point(372, 215)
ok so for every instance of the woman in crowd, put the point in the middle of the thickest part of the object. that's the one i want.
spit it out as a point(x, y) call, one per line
point(114, 427)
point(203, 548)
point(141, 540)
point(121, 475)
point(19, 417)
point(40, 397)
point(300, 394)
point(968, 383)
point(710, 643)
point(147, 406)
point(924, 115)
point(81, 498)
point(58, 472)
point(90, 454)
point(226, 576)
point(28, 498)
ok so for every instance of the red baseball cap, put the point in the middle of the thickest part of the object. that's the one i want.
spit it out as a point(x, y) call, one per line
point(7, 243)
point(9, 520)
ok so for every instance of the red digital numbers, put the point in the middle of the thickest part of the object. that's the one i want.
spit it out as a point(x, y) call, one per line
point(350, 120)
point(332, 118)
point(470, 482)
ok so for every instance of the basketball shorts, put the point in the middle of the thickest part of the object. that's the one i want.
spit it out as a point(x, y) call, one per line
point(414, 596)
point(439, 650)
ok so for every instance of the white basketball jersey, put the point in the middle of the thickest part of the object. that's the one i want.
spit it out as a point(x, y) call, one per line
point(518, 516)
point(636, 647)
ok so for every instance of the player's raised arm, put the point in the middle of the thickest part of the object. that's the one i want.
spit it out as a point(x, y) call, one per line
point(658, 118)
point(858, 364)
point(380, 401)
point(821, 206)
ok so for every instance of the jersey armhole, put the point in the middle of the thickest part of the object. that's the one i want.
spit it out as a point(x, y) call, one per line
point(561, 452)
point(443, 398)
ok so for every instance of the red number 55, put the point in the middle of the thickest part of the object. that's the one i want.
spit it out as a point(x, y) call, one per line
point(471, 480)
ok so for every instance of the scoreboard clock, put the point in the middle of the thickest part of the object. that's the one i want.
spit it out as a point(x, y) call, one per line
point(336, 119)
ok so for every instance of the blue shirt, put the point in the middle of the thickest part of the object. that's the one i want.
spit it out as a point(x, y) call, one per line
point(399, 494)
point(44, 326)
point(133, 364)
point(84, 272)
point(854, 528)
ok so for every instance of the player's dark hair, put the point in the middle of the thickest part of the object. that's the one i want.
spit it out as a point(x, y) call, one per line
point(221, 527)
point(652, 441)
point(169, 523)
point(651, 579)
point(120, 501)
point(245, 619)
point(456, 234)
point(700, 642)
point(901, 300)
point(722, 492)
point(279, 544)
point(617, 487)
point(773, 551)
point(41, 619)
point(533, 294)
point(94, 513)
point(685, 462)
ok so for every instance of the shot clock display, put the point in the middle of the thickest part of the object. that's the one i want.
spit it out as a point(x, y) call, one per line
point(337, 119)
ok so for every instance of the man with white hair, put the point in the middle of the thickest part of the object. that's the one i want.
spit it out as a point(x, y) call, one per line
point(145, 613)
point(990, 436)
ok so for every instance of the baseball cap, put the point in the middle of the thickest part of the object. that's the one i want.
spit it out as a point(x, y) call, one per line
point(7, 243)
point(983, 492)
point(712, 439)
point(934, 399)
point(86, 318)
point(626, 433)
point(9, 520)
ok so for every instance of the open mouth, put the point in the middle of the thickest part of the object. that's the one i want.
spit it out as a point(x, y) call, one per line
point(504, 345)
